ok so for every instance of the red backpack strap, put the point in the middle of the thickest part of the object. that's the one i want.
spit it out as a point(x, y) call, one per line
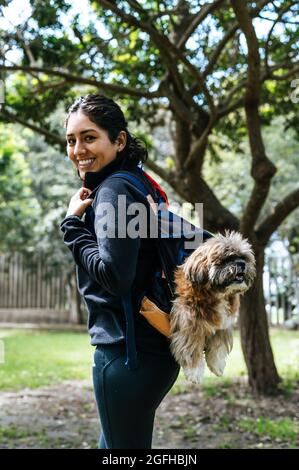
point(157, 186)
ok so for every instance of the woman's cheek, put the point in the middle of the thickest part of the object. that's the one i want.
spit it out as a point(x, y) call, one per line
point(71, 155)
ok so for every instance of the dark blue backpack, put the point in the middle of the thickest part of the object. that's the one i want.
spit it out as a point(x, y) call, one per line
point(172, 246)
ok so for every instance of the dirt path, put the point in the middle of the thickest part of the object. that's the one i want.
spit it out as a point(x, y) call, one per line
point(64, 416)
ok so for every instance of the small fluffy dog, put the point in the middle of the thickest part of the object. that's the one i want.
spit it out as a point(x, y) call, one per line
point(208, 287)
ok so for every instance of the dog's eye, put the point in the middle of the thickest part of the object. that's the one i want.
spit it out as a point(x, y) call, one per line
point(229, 259)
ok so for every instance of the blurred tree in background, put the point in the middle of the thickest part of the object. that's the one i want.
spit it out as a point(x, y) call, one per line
point(209, 74)
point(19, 208)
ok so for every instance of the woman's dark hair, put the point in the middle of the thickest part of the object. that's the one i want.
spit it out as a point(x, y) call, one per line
point(105, 113)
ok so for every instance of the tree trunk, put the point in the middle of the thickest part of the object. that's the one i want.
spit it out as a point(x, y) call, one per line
point(262, 372)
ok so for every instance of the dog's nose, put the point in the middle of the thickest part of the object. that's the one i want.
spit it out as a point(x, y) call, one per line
point(241, 264)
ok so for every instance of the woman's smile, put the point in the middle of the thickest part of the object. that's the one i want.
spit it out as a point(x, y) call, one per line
point(86, 164)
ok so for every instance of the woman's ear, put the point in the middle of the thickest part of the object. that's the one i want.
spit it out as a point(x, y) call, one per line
point(121, 140)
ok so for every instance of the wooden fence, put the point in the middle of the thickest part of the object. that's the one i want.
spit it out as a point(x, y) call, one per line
point(32, 290)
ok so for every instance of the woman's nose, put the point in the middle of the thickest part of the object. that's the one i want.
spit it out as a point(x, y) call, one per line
point(79, 148)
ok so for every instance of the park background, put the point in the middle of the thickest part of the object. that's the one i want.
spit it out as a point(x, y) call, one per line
point(212, 89)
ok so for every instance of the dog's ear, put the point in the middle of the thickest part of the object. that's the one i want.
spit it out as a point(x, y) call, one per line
point(195, 269)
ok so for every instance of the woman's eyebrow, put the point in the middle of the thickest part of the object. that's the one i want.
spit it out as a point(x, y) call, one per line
point(83, 132)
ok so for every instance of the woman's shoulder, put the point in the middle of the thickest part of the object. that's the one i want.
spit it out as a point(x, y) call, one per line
point(122, 182)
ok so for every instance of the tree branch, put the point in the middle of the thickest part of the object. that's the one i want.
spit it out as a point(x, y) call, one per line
point(279, 213)
point(176, 103)
point(164, 45)
point(199, 145)
point(26, 47)
point(253, 74)
point(198, 18)
point(262, 169)
point(166, 175)
point(230, 108)
point(219, 48)
point(227, 107)
point(87, 81)
point(137, 7)
point(216, 217)
point(277, 20)
point(168, 50)
point(50, 137)
point(291, 72)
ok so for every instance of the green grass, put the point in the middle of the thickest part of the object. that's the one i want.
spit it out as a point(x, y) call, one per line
point(14, 433)
point(285, 346)
point(225, 445)
point(284, 429)
point(39, 358)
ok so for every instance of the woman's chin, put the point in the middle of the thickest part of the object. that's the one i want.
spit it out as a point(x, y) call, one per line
point(83, 172)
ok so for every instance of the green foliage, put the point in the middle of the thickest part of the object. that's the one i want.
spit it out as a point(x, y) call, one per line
point(37, 183)
point(26, 99)
point(101, 46)
point(46, 14)
point(19, 209)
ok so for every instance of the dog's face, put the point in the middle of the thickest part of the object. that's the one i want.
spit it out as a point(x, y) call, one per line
point(232, 273)
point(224, 263)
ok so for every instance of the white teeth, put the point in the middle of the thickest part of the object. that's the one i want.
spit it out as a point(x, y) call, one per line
point(86, 162)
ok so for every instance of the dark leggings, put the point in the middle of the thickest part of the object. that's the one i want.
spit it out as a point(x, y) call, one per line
point(127, 400)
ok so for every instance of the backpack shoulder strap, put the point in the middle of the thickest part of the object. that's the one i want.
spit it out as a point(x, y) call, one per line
point(138, 182)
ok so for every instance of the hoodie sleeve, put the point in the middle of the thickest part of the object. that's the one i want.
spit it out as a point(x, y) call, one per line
point(110, 259)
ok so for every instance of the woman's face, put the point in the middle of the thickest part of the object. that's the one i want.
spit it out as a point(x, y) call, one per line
point(89, 146)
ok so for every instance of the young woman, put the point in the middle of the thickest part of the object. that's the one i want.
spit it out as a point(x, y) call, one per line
point(110, 265)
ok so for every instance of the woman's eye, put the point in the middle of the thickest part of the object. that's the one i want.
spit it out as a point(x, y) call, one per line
point(89, 138)
point(70, 141)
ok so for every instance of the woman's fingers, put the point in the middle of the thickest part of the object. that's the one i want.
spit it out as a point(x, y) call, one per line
point(79, 202)
point(87, 202)
point(84, 193)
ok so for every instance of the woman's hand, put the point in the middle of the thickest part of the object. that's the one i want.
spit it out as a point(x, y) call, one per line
point(79, 202)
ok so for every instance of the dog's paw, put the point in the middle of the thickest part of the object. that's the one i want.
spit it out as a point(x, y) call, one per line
point(218, 368)
point(216, 363)
point(195, 375)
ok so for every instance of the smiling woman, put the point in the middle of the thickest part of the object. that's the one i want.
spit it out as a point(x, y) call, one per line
point(112, 268)
point(97, 124)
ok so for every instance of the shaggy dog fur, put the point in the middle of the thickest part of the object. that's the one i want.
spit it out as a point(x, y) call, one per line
point(208, 287)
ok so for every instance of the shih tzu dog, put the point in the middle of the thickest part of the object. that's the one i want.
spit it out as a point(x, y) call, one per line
point(208, 287)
